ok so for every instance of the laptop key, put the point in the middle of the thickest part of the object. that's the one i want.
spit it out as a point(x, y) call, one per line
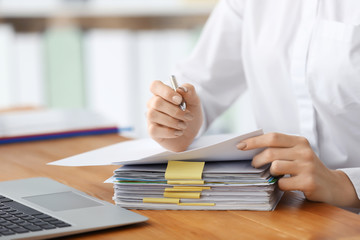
point(61, 225)
point(7, 223)
point(7, 233)
point(48, 226)
point(40, 223)
point(12, 218)
point(48, 219)
point(24, 223)
point(5, 199)
point(10, 210)
point(3, 207)
point(55, 221)
point(33, 228)
point(4, 215)
point(28, 218)
point(12, 226)
point(41, 216)
point(22, 215)
point(20, 230)
point(18, 221)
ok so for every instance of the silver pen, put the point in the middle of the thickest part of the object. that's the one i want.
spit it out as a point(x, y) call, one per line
point(175, 86)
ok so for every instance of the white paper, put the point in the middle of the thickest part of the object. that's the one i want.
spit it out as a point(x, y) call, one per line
point(233, 167)
point(147, 151)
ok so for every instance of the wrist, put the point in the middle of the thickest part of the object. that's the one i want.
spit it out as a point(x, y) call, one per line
point(343, 191)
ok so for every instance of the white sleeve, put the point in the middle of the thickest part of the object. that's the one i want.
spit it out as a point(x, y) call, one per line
point(354, 176)
point(215, 66)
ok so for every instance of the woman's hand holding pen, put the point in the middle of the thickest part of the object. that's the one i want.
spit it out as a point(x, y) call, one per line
point(293, 155)
point(170, 126)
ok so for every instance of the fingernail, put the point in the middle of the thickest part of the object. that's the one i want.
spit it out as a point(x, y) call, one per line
point(184, 89)
point(182, 125)
point(176, 99)
point(241, 145)
point(178, 133)
point(188, 116)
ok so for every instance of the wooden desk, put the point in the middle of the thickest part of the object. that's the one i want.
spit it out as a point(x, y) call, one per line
point(294, 218)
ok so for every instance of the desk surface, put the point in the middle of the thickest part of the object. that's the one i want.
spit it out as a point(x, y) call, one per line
point(294, 218)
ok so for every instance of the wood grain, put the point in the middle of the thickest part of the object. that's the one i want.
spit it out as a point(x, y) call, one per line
point(294, 218)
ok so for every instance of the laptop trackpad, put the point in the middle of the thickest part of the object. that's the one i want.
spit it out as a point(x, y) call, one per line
point(62, 201)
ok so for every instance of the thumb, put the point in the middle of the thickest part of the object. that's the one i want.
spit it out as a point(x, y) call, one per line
point(189, 94)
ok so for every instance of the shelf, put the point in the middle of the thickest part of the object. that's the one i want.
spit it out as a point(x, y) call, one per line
point(175, 9)
point(37, 15)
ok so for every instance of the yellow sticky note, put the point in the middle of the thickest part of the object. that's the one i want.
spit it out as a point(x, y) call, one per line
point(196, 204)
point(190, 188)
point(161, 200)
point(184, 170)
point(186, 189)
point(182, 194)
point(185, 182)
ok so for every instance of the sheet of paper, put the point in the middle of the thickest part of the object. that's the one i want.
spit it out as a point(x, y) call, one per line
point(230, 167)
point(147, 151)
point(135, 149)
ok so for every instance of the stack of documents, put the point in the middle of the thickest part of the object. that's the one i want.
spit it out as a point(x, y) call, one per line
point(211, 175)
point(228, 185)
point(31, 125)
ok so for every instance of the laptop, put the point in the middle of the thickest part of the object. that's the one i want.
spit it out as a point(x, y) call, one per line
point(41, 208)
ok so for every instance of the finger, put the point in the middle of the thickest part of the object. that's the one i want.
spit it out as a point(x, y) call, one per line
point(189, 94)
point(165, 120)
point(269, 140)
point(283, 167)
point(164, 91)
point(290, 183)
point(271, 154)
point(159, 104)
point(159, 131)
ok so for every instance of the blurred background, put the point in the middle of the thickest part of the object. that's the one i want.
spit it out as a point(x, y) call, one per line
point(100, 55)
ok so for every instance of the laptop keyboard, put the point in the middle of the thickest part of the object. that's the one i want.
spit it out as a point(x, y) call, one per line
point(17, 218)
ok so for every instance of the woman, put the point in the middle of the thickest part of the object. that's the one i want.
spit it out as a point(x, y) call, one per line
point(300, 61)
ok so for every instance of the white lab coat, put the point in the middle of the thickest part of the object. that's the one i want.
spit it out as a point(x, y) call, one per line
point(300, 62)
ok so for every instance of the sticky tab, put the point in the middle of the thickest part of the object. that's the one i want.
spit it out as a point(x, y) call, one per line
point(184, 170)
point(186, 189)
point(182, 194)
point(161, 200)
point(191, 188)
point(185, 182)
point(196, 204)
